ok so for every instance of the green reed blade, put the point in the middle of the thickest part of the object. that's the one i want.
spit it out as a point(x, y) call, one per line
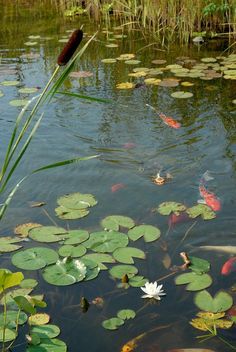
point(99, 100)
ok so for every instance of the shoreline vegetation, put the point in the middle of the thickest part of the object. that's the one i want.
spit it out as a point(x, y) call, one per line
point(184, 19)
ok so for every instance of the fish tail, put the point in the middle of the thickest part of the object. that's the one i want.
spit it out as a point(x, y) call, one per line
point(206, 177)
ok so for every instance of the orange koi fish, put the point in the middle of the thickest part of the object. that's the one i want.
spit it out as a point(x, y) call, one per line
point(169, 121)
point(209, 198)
point(117, 187)
point(132, 344)
point(229, 266)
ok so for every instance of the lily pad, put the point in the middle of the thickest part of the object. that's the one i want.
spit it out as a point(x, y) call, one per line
point(124, 57)
point(28, 283)
point(118, 271)
point(70, 214)
point(148, 232)
point(158, 62)
point(198, 265)
point(76, 236)
point(195, 282)
point(112, 45)
point(125, 85)
point(77, 201)
point(10, 83)
point(65, 272)
point(39, 319)
point(23, 230)
point(28, 90)
point(18, 102)
point(72, 251)
point(137, 281)
point(112, 323)
point(114, 222)
point(47, 234)
point(169, 82)
point(208, 59)
point(48, 345)
point(81, 74)
point(46, 331)
point(9, 335)
point(108, 61)
point(132, 62)
point(126, 314)
point(167, 208)
point(104, 241)
point(100, 259)
point(201, 210)
point(221, 302)
point(181, 95)
point(12, 318)
point(29, 43)
point(126, 255)
point(34, 258)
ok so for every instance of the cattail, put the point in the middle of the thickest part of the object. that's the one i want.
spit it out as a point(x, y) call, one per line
point(70, 47)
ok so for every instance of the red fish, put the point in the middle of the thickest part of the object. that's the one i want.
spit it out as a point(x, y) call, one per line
point(210, 198)
point(169, 121)
point(117, 186)
point(177, 219)
point(129, 145)
point(229, 266)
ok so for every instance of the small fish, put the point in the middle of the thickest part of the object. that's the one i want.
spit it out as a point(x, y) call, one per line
point(229, 266)
point(208, 198)
point(178, 219)
point(169, 121)
point(116, 187)
point(132, 344)
point(221, 249)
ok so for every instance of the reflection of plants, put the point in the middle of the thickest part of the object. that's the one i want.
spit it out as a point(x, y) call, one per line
point(20, 307)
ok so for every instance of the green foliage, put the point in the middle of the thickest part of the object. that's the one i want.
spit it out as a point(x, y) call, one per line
point(221, 302)
point(195, 281)
point(114, 222)
point(34, 258)
point(167, 208)
point(148, 232)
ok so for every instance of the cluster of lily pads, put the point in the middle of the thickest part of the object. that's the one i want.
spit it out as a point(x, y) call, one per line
point(20, 308)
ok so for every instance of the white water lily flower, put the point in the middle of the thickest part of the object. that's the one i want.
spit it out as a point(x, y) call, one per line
point(153, 291)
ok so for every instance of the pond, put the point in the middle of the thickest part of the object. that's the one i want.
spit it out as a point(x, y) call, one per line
point(134, 144)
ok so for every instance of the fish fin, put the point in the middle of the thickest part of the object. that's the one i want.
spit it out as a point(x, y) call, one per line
point(207, 177)
point(201, 201)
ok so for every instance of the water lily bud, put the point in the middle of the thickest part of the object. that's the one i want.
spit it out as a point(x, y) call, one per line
point(70, 47)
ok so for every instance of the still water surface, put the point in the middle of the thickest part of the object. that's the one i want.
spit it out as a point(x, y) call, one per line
point(133, 144)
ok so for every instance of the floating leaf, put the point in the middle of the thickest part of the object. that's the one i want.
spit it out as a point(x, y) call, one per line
point(114, 222)
point(124, 57)
point(46, 331)
point(208, 59)
point(25, 304)
point(100, 258)
point(19, 102)
point(201, 209)
point(221, 302)
point(169, 82)
point(76, 236)
point(8, 279)
point(125, 255)
point(138, 74)
point(113, 323)
point(72, 251)
point(77, 201)
point(81, 74)
point(148, 232)
point(195, 282)
point(39, 319)
point(48, 345)
point(65, 272)
point(158, 62)
point(112, 45)
point(47, 234)
point(198, 265)
point(126, 314)
point(108, 61)
point(125, 85)
point(9, 335)
point(30, 43)
point(104, 241)
point(34, 258)
point(14, 293)
point(70, 214)
point(23, 230)
point(9, 83)
point(167, 208)
point(28, 90)
point(137, 281)
point(154, 81)
point(8, 247)
point(132, 62)
point(11, 319)
point(118, 271)
point(181, 95)
point(28, 283)
point(187, 84)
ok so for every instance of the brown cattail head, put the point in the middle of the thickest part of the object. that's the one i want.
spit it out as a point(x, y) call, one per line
point(70, 47)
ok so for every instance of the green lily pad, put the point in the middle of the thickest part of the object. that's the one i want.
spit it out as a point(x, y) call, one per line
point(208, 59)
point(8, 247)
point(181, 94)
point(221, 302)
point(195, 282)
point(65, 272)
point(76, 236)
point(28, 90)
point(28, 283)
point(39, 319)
point(113, 222)
point(198, 265)
point(105, 241)
point(148, 232)
point(118, 271)
point(112, 323)
point(108, 61)
point(47, 234)
point(29, 43)
point(70, 214)
point(19, 102)
point(201, 209)
point(77, 201)
point(9, 83)
point(34, 36)
point(12, 318)
point(167, 208)
point(112, 45)
point(46, 331)
point(137, 281)
point(126, 314)
point(132, 62)
point(125, 255)
point(72, 251)
point(10, 335)
point(8, 279)
point(48, 345)
point(23, 229)
point(100, 259)
point(34, 258)
point(14, 293)
point(92, 273)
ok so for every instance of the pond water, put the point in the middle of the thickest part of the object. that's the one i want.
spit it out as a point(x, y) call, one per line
point(133, 145)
